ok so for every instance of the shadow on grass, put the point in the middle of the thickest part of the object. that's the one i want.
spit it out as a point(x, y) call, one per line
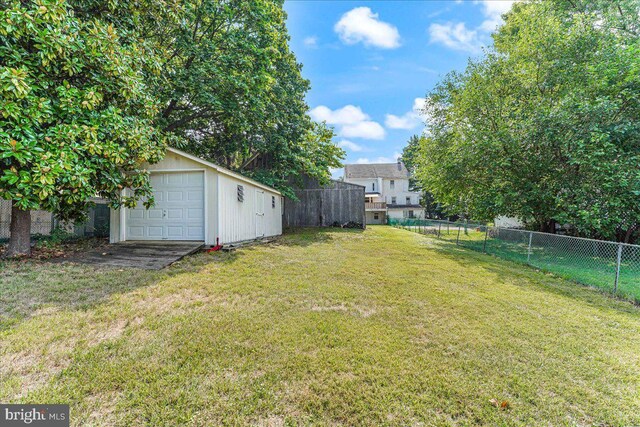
point(28, 286)
point(506, 270)
point(307, 236)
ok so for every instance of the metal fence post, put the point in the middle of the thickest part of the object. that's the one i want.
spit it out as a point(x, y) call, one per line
point(458, 237)
point(439, 226)
point(618, 262)
point(529, 250)
point(486, 233)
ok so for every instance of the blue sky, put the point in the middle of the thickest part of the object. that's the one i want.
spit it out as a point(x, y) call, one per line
point(371, 63)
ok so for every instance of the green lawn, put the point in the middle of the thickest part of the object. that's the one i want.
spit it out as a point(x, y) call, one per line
point(591, 262)
point(382, 327)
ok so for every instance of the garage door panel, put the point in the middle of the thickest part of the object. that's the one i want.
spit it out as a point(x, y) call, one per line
point(173, 231)
point(178, 213)
point(175, 196)
point(195, 196)
point(175, 213)
point(195, 180)
point(176, 179)
point(154, 231)
point(154, 213)
point(136, 231)
point(195, 214)
point(156, 179)
point(194, 232)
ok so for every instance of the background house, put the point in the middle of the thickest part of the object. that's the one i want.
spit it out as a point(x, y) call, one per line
point(387, 193)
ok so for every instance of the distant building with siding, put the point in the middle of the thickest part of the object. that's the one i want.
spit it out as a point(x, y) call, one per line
point(387, 193)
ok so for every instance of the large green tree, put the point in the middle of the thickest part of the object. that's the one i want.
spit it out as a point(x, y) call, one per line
point(231, 90)
point(411, 159)
point(92, 89)
point(545, 126)
point(76, 119)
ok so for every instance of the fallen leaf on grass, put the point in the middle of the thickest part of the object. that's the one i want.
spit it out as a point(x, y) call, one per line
point(498, 404)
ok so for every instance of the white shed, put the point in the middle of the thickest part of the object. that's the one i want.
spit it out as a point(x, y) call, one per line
point(200, 201)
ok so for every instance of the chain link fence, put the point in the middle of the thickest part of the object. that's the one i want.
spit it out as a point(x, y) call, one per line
point(44, 223)
point(612, 266)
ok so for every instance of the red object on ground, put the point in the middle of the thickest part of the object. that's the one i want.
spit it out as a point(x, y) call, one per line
point(217, 247)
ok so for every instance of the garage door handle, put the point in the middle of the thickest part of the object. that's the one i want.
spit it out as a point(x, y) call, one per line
point(164, 213)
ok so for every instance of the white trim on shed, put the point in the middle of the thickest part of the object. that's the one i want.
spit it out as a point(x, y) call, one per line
point(226, 215)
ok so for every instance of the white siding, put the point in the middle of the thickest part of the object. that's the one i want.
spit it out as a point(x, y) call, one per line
point(401, 213)
point(238, 219)
point(400, 189)
point(225, 217)
point(507, 222)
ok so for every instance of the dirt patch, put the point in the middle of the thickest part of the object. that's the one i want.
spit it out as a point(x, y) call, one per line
point(48, 250)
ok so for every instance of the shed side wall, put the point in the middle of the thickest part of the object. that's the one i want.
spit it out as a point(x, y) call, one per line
point(238, 219)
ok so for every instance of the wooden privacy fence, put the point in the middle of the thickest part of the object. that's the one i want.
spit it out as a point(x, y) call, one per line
point(323, 206)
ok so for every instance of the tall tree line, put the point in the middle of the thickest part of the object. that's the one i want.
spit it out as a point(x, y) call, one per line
point(545, 126)
point(91, 90)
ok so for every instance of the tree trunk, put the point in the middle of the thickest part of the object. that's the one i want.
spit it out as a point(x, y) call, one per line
point(20, 232)
point(629, 233)
point(547, 226)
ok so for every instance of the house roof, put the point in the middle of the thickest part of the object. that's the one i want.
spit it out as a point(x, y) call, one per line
point(222, 170)
point(376, 170)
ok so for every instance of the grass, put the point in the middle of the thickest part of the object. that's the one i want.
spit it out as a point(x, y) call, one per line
point(336, 327)
point(591, 263)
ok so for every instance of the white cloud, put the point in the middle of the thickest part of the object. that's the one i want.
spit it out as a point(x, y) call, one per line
point(350, 145)
point(362, 25)
point(408, 120)
point(418, 104)
point(497, 7)
point(493, 11)
point(456, 35)
point(349, 114)
point(401, 122)
point(311, 41)
point(367, 130)
point(381, 159)
point(351, 121)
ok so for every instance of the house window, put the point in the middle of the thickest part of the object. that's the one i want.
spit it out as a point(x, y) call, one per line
point(240, 193)
point(411, 215)
point(393, 200)
point(376, 215)
point(408, 200)
point(273, 202)
point(392, 184)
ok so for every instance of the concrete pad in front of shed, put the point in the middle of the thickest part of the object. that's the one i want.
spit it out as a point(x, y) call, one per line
point(138, 254)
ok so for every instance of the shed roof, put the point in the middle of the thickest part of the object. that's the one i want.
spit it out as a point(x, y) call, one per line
point(222, 170)
point(376, 170)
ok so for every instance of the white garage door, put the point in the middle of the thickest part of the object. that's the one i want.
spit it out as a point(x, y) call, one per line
point(178, 213)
